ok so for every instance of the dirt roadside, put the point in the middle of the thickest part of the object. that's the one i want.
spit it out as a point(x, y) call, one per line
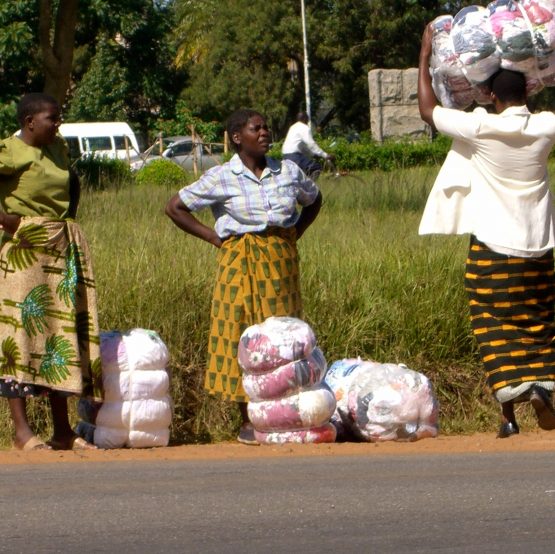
point(534, 441)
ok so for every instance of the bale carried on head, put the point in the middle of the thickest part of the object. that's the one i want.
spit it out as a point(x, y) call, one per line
point(470, 47)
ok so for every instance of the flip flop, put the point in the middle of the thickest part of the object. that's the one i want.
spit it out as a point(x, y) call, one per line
point(75, 443)
point(34, 443)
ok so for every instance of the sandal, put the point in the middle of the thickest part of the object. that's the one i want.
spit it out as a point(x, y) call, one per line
point(75, 443)
point(34, 443)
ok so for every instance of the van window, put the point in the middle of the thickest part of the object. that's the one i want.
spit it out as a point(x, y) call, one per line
point(212, 149)
point(73, 145)
point(120, 143)
point(182, 148)
point(98, 143)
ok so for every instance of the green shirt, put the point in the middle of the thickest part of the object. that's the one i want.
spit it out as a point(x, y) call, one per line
point(34, 181)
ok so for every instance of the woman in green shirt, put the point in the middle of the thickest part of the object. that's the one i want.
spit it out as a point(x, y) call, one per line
point(49, 339)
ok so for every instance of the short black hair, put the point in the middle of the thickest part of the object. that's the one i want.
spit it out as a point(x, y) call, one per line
point(237, 120)
point(509, 86)
point(33, 103)
point(302, 116)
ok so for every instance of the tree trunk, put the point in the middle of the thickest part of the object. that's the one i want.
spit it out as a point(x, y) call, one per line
point(57, 45)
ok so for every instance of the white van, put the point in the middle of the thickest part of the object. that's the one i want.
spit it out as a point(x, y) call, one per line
point(111, 139)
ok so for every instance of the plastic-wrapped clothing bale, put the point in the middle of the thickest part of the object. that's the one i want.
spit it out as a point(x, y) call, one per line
point(525, 37)
point(384, 401)
point(470, 47)
point(275, 342)
point(524, 33)
point(308, 408)
point(137, 408)
point(110, 437)
point(474, 43)
point(136, 349)
point(463, 58)
point(315, 435)
point(147, 439)
point(338, 378)
point(117, 421)
point(138, 413)
point(286, 379)
point(144, 384)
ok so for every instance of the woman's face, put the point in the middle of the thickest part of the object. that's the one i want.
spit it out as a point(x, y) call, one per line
point(254, 138)
point(44, 124)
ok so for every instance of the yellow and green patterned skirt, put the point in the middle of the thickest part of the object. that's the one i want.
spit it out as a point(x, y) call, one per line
point(49, 336)
point(258, 277)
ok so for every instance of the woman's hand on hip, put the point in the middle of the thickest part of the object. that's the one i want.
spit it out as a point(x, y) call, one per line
point(9, 222)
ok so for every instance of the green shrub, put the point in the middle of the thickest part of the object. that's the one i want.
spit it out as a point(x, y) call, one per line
point(101, 173)
point(181, 124)
point(388, 156)
point(162, 173)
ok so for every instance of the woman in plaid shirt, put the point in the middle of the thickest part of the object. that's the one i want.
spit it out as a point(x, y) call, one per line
point(254, 200)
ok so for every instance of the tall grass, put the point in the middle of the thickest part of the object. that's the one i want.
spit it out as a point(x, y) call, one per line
point(371, 287)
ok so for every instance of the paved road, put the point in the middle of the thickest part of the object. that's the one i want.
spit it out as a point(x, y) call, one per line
point(493, 503)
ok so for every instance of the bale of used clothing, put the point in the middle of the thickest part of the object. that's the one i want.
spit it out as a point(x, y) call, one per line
point(382, 402)
point(275, 342)
point(462, 58)
point(282, 373)
point(338, 378)
point(315, 435)
point(136, 411)
point(308, 408)
point(470, 47)
point(286, 379)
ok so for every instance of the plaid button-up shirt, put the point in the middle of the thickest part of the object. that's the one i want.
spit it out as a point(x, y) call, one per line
point(241, 203)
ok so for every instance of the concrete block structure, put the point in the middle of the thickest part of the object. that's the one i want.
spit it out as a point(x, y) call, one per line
point(394, 105)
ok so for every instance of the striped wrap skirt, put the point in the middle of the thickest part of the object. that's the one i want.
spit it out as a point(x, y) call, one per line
point(511, 311)
point(257, 277)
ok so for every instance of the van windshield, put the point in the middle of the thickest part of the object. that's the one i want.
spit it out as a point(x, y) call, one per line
point(98, 143)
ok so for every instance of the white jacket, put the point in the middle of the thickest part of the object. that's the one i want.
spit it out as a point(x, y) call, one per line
point(494, 181)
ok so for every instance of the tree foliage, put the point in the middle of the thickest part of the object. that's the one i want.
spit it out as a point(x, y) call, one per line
point(241, 59)
point(184, 120)
point(131, 59)
point(237, 53)
point(123, 62)
point(19, 65)
point(102, 92)
point(125, 67)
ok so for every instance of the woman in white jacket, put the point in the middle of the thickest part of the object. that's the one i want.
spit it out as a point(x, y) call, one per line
point(494, 185)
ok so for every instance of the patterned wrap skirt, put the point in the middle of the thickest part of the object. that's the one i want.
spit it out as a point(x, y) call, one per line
point(49, 336)
point(258, 277)
point(511, 309)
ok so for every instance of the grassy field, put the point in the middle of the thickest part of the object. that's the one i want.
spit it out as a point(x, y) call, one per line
point(371, 287)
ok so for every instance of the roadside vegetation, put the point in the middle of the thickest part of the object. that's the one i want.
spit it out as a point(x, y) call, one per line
point(371, 286)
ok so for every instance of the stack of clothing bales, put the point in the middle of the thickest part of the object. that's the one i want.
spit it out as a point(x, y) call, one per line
point(136, 411)
point(470, 47)
point(381, 402)
point(283, 370)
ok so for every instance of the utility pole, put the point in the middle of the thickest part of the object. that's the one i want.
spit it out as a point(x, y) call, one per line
point(306, 64)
